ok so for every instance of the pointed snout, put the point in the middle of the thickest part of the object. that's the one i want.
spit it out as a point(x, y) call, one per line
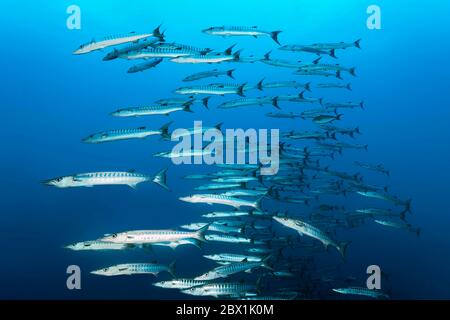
point(48, 182)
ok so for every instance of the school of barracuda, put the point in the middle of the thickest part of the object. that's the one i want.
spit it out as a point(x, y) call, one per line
point(261, 242)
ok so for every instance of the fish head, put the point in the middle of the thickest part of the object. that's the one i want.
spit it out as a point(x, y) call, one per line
point(122, 113)
point(212, 256)
point(108, 271)
point(169, 284)
point(115, 237)
point(191, 199)
point(210, 30)
point(78, 246)
point(93, 138)
point(62, 182)
point(194, 291)
point(206, 276)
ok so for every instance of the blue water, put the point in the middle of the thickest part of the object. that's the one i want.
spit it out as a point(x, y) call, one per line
point(51, 99)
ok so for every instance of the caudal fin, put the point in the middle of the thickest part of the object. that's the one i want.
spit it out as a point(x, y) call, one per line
point(349, 87)
point(274, 36)
point(205, 102)
point(160, 179)
point(200, 233)
point(267, 55)
point(187, 107)
point(352, 71)
point(230, 73)
point(342, 248)
point(258, 204)
point(229, 50)
point(332, 53)
point(165, 131)
point(357, 43)
point(157, 33)
point(240, 90)
point(171, 269)
point(259, 85)
point(275, 102)
point(308, 86)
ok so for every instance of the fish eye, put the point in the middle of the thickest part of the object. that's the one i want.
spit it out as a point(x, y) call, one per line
point(58, 179)
point(106, 269)
point(114, 235)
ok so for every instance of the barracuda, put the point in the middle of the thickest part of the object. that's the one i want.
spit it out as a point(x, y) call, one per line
point(187, 48)
point(184, 153)
point(241, 31)
point(306, 48)
point(124, 134)
point(217, 186)
point(336, 45)
point(192, 131)
point(209, 74)
point(144, 66)
point(229, 289)
point(284, 115)
point(316, 66)
point(228, 238)
point(135, 268)
point(304, 228)
point(213, 89)
point(180, 283)
point(233, 257)
point(283, 84)
point(220, 199)
point(213, 227)
point(230, 214)
point(334, 85)
point(116, 40)
point(372, 293)
point(143, 44)
point(151, 110)
point(260, 101)
point(227, 270)
point(156, 53)
point(280, 62)
point(156, 237)
point(97, 245)
point(226, 56)
point(91, 179)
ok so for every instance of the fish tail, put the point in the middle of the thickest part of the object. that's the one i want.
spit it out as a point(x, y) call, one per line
point(205, 102)
point(259, 85)
point(240, 90)
point(165, 131)
point(200, 233)
point(348, 86)
point(229, 50)
point(274, 36)
point(342, 248)
point(361, 104)
point(258, 203)
point(267, 55)
point(275, 102)
point(265, 264)
point(352, 71)
point(157, 33)
point(187, 107)
point(308, 86)
point(160, 178)
point(171, 269)
point(332, 53)
point(338, 75)
point(357, 43)
point(230, 73)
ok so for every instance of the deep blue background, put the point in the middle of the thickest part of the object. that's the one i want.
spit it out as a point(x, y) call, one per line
point(51, 99)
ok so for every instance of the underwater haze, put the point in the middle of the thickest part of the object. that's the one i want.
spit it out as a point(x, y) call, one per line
point(52, 99)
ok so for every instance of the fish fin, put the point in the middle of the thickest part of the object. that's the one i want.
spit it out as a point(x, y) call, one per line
point(332, 53)
point(200, 233)
point(342, 248)
point(259, 85)
point(187, 107)
point(317, 60)
point(274, 36)
point(133, 185)
point(308, 86)
point(205, 102)
point(275, 102)
point(338, 75)
point(267, 55)
point(230, 73)
point(219, 126)
point(240, 90)
point(165, 131)
point(349, 87)
point(229, 50)
point(357, 43)
point(171, 269)
point(160, 178)
point(353, 71)
point(258, 203)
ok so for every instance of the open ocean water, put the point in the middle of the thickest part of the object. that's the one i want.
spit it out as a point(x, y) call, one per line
point(52, 98)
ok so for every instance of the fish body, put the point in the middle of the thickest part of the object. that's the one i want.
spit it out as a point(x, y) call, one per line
point(114, 41)
point(227, 289)
point(142, 44)
point(304, 228)
point(180, 283)
point(209, 74)
point(221, 199)
point(144, 66)
point(371, 293)
point(227, 270)
point(227, 31)
point(150, 110)
point(135, 268)
point(213, 89)
point(123, 134)
point(94, 245)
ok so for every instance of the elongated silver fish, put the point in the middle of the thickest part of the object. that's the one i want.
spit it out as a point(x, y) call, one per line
point(144, 66)
point(220, 199)
point(372, 293)
point(280, 62)
point(97, 245)
point(124, 134)
point(142, 44)
point(227, 289)
point(213, 89)
point(156, 53)
point(155, 237)
point(233, 257)
point(180, 283)
point(308, 48)
point(151, 110)
point(253, 31)
point(91, 179)
point(259, 101)
point(230, 269)
point(115, 40)
point(135, 268)
point(304, 228)
point(399, 225)
point(209, 74)
point(226, 56)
